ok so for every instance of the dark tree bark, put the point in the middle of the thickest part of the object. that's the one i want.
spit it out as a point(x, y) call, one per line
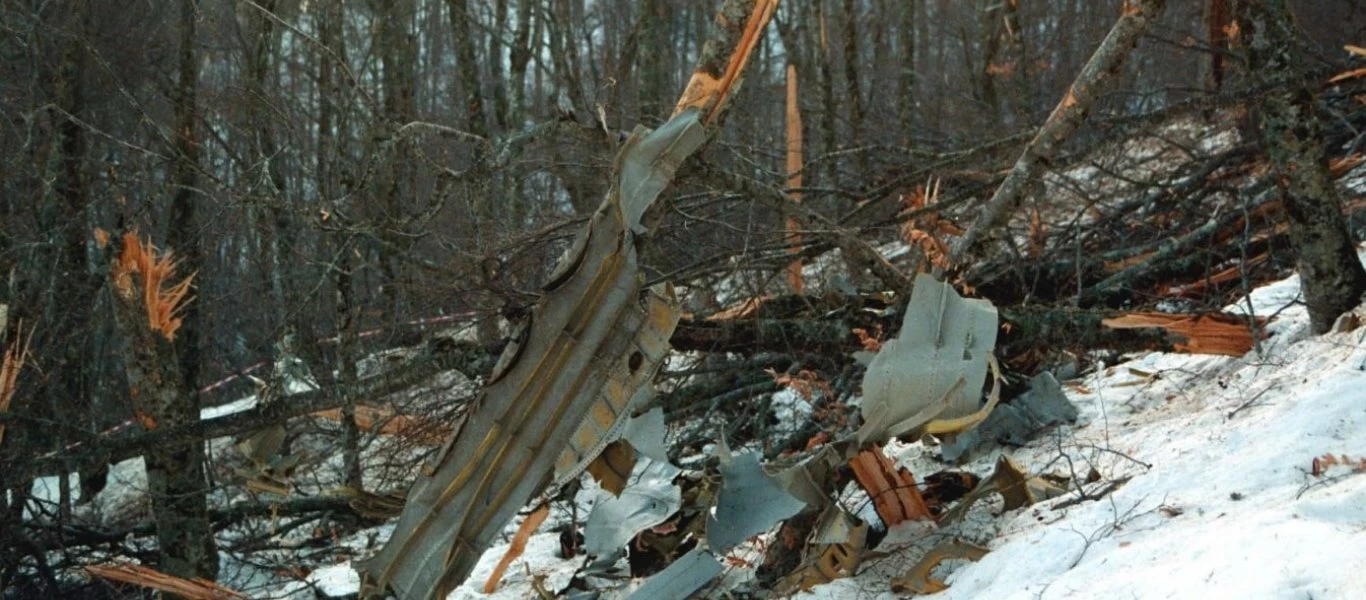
point(501, 113)
point(1098, 73)
point(906, 71)
point(163, 375)
point(468, 65)
point(1217, 21)
point(851, 66)
point(1292, 132)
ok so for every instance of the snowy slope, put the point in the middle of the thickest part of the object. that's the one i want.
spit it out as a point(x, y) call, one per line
point(1226, 509)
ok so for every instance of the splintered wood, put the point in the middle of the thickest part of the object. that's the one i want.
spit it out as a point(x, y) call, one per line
point(517, 547)
point(165, 305)
point(712, 83)
point(892, 490)
point(1213, 333)
point(10, 364)
point(794, 179)
point(385, 421)
point(194, 589)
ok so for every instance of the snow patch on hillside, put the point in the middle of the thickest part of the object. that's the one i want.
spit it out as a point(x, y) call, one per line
point(1219, 500)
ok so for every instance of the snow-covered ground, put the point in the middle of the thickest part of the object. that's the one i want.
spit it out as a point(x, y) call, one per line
point(1218, 499)
point(1220, 502)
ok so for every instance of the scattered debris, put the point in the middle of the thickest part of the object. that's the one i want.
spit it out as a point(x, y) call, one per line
point(834, 550)
point(1321, 464)
point(1015, 486)
point(650, 500)
point(892, 490)
point(750, 502)
point(682, 578)
point(1012, 423)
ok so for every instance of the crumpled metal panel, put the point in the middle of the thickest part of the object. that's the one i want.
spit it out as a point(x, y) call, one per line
point(750, 502)
point(596, 335)
point(1042, 405)
point(682, 578)
point(935, 367)
point(650, 500)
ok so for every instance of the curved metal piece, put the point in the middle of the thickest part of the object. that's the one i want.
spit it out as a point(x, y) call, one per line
point(578, 355)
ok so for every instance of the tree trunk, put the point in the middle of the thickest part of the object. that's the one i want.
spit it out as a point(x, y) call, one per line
point(163, 375)
point(1293, 133)
point(851, 68)
point(1099, 72)
point(906, 71)
point(518, 58)
point(468, 65)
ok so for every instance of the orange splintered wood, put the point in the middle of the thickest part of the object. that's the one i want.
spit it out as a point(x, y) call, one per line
point(165, 305)
point(743, 310)
point(196, 589)
point(794, 178)
point(1341, 165)
point(517, 547)
point(708, 91)
point(10, 364)
point(1213, 333)
point(893, 490)
point(1233, 273)
point(385, 422)
point(1345, 75)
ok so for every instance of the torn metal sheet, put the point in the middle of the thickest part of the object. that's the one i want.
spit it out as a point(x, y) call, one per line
point(835, 550)
point(1015, 486)
point(920, 580)
point(602, 426)
point(806, 479)
point(682, 579)
point(935, 367)
point(597, 335)
point(648, 501)
point(1044, 404)
point(646, 434)
point(750, 502)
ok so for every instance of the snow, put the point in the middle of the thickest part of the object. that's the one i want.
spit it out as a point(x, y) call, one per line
point(1227, 508)
point(1217, 500)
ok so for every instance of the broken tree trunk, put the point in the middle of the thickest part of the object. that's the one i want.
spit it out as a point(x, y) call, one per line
point(149, 311)
point(1099, 71)
point(435, 357)
point(594, 339)
point(794, 179)
point(1293, 133)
